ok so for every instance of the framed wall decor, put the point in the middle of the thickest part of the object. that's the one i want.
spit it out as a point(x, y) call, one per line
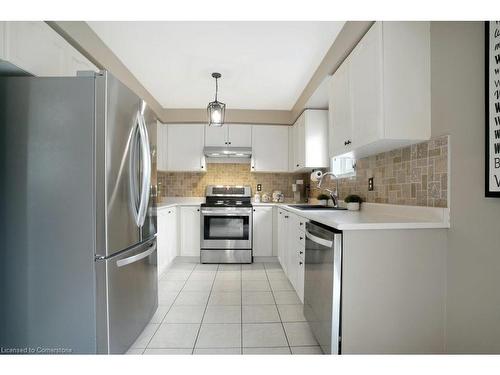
point(492, 101)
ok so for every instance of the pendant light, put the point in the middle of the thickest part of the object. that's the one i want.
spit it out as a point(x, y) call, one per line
point(216, 109)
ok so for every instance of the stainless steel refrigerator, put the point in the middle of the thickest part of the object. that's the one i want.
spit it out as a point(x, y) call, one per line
point(78, 181)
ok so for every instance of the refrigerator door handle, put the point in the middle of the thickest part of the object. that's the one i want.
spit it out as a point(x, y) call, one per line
point(137, 257)
point(134, 193)
point(146, 167)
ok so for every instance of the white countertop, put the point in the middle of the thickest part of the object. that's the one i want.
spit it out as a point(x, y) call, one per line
point(371, 216)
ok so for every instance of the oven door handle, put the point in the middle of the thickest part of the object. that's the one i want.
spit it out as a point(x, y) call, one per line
point(226, 213)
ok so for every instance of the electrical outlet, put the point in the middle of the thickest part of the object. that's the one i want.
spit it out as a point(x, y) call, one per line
point(370, 184)
point(259, 187)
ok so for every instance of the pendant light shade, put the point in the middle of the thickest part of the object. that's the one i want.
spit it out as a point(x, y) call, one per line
point(216, 110)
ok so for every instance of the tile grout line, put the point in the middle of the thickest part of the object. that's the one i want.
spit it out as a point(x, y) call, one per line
point(276, 305)
point(169, 308)
point(205, 311)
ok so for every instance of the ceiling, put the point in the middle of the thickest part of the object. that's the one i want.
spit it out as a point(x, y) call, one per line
point(264, 65)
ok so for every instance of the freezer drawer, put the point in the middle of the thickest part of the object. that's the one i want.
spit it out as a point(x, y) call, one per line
point(132, 294)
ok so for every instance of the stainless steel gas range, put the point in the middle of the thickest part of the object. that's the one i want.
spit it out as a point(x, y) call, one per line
point(226, 225)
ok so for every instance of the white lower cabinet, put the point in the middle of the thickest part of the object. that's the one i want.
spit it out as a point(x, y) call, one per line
point(291, 248)
point(167, 237)
point(189, 231)
point(282, 238)
point(263, 231)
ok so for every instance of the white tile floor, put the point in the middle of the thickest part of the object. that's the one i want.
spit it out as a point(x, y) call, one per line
point(226, 309)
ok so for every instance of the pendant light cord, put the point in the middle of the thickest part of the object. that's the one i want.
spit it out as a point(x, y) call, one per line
point(216, 88)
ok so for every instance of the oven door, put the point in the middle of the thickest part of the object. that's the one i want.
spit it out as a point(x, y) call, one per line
point(226, 228)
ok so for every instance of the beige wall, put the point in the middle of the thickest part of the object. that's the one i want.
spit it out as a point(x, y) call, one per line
point(473, 259)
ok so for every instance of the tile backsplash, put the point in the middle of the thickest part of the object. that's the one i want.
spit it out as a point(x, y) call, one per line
point(192, 184)
point(416, 175)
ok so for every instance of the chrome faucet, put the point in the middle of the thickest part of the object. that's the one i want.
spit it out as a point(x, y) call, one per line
point(333, 194)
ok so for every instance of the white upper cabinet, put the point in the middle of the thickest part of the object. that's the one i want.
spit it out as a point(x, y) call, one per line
point(291, 156)
point(365, 78)
point(162, 146)
point(340, 135)
point(216, 136)
point(380, 95)
point(228, 135)
point(310, 140)
point(269, 148)
point(36, 48)
point(239, 135)
point(185, 148)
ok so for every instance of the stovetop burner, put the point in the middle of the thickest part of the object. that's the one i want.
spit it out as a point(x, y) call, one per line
point(228, 196)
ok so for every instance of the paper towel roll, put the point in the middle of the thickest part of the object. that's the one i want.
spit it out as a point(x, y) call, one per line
point(316, 176)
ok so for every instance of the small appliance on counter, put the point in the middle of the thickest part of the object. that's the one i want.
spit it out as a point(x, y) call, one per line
point(226, 225)
point(298, 189)
point(265, 198)
point(256, 198)
point(278, 196)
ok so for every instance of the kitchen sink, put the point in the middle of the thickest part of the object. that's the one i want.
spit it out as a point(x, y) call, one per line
point(315, 207)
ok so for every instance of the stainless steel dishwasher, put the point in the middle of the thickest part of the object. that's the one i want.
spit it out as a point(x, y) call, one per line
point(322, 285)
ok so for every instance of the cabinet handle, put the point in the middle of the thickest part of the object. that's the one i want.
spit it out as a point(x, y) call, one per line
point(169, 212)
point(253, 167)
point(229, 142)
point(286, 217)
point(348, 142)
point(202, 167)
point(300, 263)
point(198, 209)
point(254, 210)
point(225, 143)
point(301, 252)
point(297, 165)
point(301, 223)
point(301, 237)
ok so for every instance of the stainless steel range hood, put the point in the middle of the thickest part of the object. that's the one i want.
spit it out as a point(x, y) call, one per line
point(228, 152)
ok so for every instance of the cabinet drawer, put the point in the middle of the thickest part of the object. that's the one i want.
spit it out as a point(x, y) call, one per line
point(301, 239)
point(301, 254)
point(302, 224)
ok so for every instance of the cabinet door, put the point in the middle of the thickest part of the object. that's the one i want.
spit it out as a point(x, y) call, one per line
point(269, 148)
point(185, 148)
point(34, 47)
point(239, 135)
point(281, 228)
point(263, 231)
point(162, 241)
point(162, 146)
point(300, 279)
point(340, 112)
point(171, 234)
point(365, 78)
point(216, 136)
point(189, 231)
point(299, 143)
point(291, 156)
